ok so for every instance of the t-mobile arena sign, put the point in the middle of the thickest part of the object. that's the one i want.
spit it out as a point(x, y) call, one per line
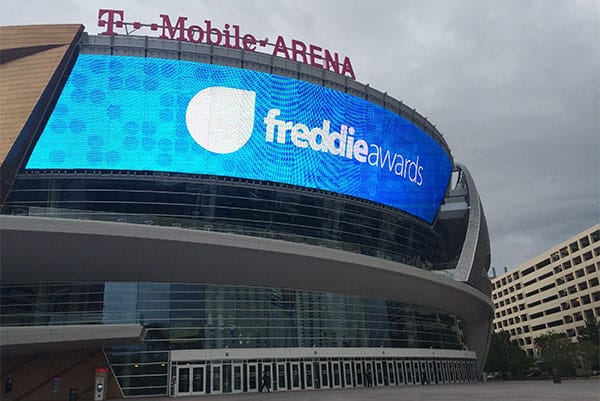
point(229, 36)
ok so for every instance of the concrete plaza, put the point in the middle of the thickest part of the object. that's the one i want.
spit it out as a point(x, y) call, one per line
point(542, 390)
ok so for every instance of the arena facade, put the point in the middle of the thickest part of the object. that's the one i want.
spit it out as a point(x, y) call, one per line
point(179, 218)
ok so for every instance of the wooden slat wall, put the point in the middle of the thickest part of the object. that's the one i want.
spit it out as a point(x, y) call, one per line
point(23, 80)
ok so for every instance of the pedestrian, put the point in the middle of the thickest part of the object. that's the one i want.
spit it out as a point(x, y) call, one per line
point(369, 378)
point(555, 376)
point(266, 381)
point(424, 378)
point(8, 386)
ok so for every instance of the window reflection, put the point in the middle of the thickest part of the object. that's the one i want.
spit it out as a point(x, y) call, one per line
point(242, 206)
point(202, 316)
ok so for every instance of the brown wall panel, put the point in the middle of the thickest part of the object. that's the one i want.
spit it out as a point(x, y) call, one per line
point(32, 375)
point(24, 78)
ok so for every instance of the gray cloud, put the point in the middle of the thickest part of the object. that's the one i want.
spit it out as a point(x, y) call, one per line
point(514, 87)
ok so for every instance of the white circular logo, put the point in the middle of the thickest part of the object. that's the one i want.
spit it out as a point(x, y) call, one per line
point(221, 119)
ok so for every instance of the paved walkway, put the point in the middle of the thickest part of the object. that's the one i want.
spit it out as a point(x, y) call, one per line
point(568, 390)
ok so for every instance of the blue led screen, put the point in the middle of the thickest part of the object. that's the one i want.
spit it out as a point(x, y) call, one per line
point(131, 113)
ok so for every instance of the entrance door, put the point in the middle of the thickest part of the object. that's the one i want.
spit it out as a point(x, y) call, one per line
point(216, 379)
point(424, 373)
point(391, 373)
point(336, 374)
point(472, 371)
point(252, 377)
point(226, 378)
point(457, 369)
point(281, 377)
point(358, 374)
point(295, 376)
point(408, 371)
point(237, 386)
point(309, 381)
point(348, 379)
point(324, 374)
point(378, 374)
point(400, 369)
point(445, 369)
point(431, 371)
point(369, 373)
point(198, 380)
point(438, 372)
point(268, 367)
point(183, 381)
point(416, 372)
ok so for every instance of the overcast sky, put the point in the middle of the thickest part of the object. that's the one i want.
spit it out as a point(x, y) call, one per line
point(514, 86)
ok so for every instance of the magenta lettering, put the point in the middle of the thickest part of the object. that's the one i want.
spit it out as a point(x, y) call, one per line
point(347, 68)
point(298, 49)
point(332, 63)
point(230, 36)
point(280, 47)
point(110, 22)
point(210, 31)
point(167, 26)
point(249, 42)
point(193, 29)
point(315, 54)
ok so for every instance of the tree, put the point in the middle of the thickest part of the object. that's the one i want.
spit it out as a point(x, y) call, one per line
point(588, 346)
point(557, 352)
point(587, 353)
point(505, 356)
point(591, 332)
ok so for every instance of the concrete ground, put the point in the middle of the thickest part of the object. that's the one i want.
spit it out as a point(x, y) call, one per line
point(568, 390)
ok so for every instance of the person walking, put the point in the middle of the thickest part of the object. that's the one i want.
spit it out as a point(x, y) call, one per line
point(424, 378)
point(266, 381)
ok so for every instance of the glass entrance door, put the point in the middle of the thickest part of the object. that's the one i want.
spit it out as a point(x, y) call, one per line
point(281, 377)
point(295, 376)
point(226, 378)
point(369, 374)
point(378, 381)
point(431, 372)
point(216, 379)
point(390, 373)
point(237, 378)
point(324, 374)
point(408, 371)
point(400, 369)
point(348, 377)
point(445, 370)
point(252, 377)
point(266, 367)
point(417, 372)
point(183, 380)
point(191, 380)
point(336, 374)
point(198, 380)
point(358, 372)
point(308, 375)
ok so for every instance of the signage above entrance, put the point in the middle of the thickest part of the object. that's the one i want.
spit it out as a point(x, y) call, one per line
point(229, 36)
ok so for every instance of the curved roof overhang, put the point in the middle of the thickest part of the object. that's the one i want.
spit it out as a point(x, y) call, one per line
point(41, 249)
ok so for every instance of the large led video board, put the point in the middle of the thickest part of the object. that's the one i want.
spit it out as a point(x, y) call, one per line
point(133, 113)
